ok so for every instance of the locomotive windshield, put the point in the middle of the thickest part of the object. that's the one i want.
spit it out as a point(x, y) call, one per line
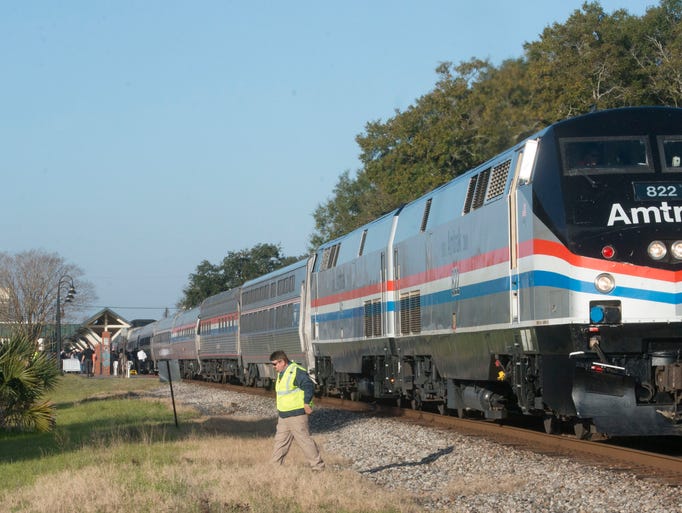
point(671, 152)
point(593, 155)
point(619, 190)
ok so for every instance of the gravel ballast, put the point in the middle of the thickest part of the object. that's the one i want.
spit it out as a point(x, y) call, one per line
point(453, 472)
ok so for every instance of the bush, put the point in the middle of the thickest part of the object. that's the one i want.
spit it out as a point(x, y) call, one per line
point(26, 375)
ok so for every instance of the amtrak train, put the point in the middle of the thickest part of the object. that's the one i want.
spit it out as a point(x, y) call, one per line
point(547, 281)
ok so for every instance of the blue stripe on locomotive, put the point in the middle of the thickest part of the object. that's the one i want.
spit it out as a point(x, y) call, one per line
point(561, 281)
point(529, 280)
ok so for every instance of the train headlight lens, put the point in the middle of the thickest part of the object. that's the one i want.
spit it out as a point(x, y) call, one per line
point(676, 249)
point(604, 283)
point(657, 250)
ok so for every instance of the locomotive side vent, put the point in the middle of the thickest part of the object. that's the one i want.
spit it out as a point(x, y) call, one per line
point(329, 257)
point(362, 243)
point(498, 181)
point(425, 217)
point(470, 194)
point(481, 186)
point(410, 312)
point(372, 318)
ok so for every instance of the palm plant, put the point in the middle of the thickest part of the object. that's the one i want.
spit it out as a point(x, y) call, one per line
point(25, 376)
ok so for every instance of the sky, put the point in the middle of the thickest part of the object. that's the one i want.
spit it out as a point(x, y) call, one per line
point(140, 138)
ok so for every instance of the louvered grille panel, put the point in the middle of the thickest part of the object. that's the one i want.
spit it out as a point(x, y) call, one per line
point(481, 187)
point(470, 194)
point(376, 324)
point(368, 318)
point(405, 312)
point(498, 181)
point(325, 259)
point(410, 312)
point(425, 217)
point(372, 314)
point(415, 313)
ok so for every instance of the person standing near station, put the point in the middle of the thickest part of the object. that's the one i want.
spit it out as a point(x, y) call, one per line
point(122, 363)
point(142, 358)
point(86, 358)
point(294, 403)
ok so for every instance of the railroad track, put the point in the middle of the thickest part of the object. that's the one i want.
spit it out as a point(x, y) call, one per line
point(645, 464)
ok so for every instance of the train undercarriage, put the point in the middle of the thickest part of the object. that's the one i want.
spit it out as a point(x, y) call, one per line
point(592, 392)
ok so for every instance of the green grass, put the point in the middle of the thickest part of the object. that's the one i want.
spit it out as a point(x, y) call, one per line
point(90, 413)
point(115, 451)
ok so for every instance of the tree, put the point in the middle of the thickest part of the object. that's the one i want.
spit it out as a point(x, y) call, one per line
point(592, 61)
point(345, 210)
point(413, 152)
point(657, 51)
point(25, 376)
point(236, 268)
point(29, 282)
point(585, 63)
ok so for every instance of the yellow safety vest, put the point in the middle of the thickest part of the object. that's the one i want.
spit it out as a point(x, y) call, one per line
point(289, 396)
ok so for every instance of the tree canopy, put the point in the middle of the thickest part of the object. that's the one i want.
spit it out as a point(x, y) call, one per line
point(594, 60)
point(236, 268)
point(29, 281)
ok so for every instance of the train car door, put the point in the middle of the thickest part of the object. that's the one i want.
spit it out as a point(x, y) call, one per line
point(519, 214)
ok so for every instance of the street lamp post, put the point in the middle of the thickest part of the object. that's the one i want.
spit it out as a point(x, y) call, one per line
point(65, 279)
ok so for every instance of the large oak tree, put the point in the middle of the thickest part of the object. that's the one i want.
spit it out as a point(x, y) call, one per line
point(594, 60)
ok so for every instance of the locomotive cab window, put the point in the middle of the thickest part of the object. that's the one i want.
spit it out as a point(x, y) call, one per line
point(670, 148)
point(597, 156)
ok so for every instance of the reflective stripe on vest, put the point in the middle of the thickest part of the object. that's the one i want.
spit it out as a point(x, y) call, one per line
point(289, 396)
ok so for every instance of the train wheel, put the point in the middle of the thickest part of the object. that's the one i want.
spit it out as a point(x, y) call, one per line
point(441, 408)
point(551, 424)
point(416, 402)
point(582, 430)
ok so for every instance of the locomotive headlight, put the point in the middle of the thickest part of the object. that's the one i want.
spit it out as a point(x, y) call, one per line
point(605, 283)
point(657, 250)
point(676, 249)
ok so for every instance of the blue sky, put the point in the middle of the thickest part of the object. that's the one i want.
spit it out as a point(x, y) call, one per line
point(139, 138)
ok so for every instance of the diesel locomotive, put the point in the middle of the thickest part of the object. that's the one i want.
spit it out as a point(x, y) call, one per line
point(547, 281)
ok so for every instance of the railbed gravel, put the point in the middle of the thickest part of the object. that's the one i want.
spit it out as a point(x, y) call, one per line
point(447, 471)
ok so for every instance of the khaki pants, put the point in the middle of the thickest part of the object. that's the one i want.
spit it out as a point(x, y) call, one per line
point(296, 428)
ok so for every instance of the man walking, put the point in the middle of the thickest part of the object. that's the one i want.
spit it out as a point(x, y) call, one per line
point(294, 403)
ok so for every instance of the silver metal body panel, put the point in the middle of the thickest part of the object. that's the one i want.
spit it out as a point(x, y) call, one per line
point(219, 326)
point(183, 338)
point(270, 317)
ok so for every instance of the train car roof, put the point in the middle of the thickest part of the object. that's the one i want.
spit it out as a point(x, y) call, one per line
point(186, 317)
point(278, 272)
point(365, 226)
point(219, 297)
point(163, 324)
point(147, 329)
